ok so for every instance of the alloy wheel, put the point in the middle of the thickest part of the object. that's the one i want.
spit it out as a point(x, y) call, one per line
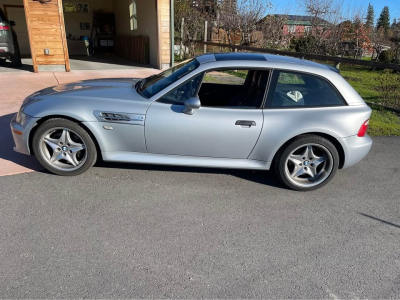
point(63, 149)
point(308, 165)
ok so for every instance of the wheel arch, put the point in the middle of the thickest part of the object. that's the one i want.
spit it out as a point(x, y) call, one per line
point(332, 139)
point(44, 119)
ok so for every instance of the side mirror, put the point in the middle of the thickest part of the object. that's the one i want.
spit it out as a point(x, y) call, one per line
point(12, 23)
point(191, 104)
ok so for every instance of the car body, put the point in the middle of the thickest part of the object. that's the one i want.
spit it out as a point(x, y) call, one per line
point(8, 40)
point(146, 121)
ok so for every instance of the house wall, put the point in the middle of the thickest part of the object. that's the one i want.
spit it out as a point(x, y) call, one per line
point(299, 30)
point(17, 14)
point(46, 27)
point(146, 20)
point(164, 7)
point(46, 31)
point(73, 20)
point(11, 2)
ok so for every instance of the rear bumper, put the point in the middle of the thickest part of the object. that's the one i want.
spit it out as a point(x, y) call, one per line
point(20, 132)
point(6, 50)
point(356, 149)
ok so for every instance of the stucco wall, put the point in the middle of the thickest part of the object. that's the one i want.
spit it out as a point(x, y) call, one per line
point(146, 19)
point(10, 2)
point(73, 20)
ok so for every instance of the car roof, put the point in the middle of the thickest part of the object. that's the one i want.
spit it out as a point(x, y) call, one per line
point(232, 56)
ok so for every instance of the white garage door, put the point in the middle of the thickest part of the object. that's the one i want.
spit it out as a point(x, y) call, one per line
point(17, 14)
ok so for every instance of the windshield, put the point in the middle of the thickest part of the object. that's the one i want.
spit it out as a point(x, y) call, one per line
point(154, 84)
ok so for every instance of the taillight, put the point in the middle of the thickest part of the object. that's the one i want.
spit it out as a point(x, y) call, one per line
point(363, 129)
point(4, 27)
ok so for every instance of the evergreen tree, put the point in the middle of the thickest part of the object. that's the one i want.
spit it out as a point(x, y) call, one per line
point(370, 16)
point(394, 24)
point(384, 20)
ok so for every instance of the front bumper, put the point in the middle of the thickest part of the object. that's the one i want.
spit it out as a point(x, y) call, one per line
point(20, 132)
point(356, 148)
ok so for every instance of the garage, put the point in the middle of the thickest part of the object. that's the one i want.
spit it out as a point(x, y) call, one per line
point(53, 32)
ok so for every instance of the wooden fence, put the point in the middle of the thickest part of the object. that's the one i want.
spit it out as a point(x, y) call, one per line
point(134, 48)
point(326, 58)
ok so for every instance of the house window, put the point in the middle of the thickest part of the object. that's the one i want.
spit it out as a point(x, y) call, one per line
point(307, 29)
point(133, 14)
point(292, 28)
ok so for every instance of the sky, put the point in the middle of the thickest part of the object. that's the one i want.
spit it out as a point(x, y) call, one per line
point(294, 7)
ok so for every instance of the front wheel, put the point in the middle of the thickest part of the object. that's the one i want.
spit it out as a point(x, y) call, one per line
point(307, 163)
point(64, 148)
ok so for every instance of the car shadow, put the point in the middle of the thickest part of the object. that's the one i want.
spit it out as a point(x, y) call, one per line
point(7, 146)
point(8, 65)
point(260, 177)
point(7, 153)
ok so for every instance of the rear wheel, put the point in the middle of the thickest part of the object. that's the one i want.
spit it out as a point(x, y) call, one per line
point(64, 148)
point(307, 163)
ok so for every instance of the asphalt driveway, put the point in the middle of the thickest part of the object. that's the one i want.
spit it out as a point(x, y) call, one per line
point(160, 232)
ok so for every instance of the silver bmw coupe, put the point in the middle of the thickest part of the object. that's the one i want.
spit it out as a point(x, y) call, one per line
point(230, 110)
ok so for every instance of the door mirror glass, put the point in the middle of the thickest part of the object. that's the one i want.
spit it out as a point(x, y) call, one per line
point(12, 23)
point(192, 104)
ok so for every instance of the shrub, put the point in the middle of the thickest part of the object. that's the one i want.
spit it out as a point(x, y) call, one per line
point(388, 56)
point(389, 84)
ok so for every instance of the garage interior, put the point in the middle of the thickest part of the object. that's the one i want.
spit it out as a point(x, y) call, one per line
point(92, 34)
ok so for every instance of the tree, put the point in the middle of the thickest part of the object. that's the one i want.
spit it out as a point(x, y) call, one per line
point(324, 37)
point(370, 16)
point(271, 28)
point(250, 12)
point(189, 24)
point(384, 20)
point(394, 24)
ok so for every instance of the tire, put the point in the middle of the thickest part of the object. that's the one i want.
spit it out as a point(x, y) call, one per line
point(307, 163)
point(64, 148)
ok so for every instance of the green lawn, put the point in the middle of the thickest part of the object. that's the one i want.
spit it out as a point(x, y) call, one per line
point(366, 83)
point(363, 81)
point(384, 123)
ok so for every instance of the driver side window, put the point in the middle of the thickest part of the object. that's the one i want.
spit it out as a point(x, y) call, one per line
point(183, 92)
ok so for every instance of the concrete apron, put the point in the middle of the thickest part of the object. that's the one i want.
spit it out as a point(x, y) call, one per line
point(15, 87)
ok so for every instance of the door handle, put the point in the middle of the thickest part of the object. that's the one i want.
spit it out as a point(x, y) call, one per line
point(245, 123)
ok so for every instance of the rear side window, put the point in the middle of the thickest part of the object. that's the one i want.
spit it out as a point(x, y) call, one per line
point(297, 90)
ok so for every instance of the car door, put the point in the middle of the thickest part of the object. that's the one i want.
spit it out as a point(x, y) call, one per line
point(220, 132)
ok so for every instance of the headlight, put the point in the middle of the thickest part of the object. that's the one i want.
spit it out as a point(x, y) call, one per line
point(21, 117)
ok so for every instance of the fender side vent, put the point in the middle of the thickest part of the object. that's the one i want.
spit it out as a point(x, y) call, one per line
point(119, 117)
point(114, 117)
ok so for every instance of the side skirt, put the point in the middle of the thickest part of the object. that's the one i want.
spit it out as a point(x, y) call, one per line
point(189, 161)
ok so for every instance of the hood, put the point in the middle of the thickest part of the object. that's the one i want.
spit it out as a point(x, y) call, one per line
point(114, 95)
point(86, 87)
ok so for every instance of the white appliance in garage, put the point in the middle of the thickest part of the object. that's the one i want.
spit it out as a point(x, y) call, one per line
point(17, 14)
